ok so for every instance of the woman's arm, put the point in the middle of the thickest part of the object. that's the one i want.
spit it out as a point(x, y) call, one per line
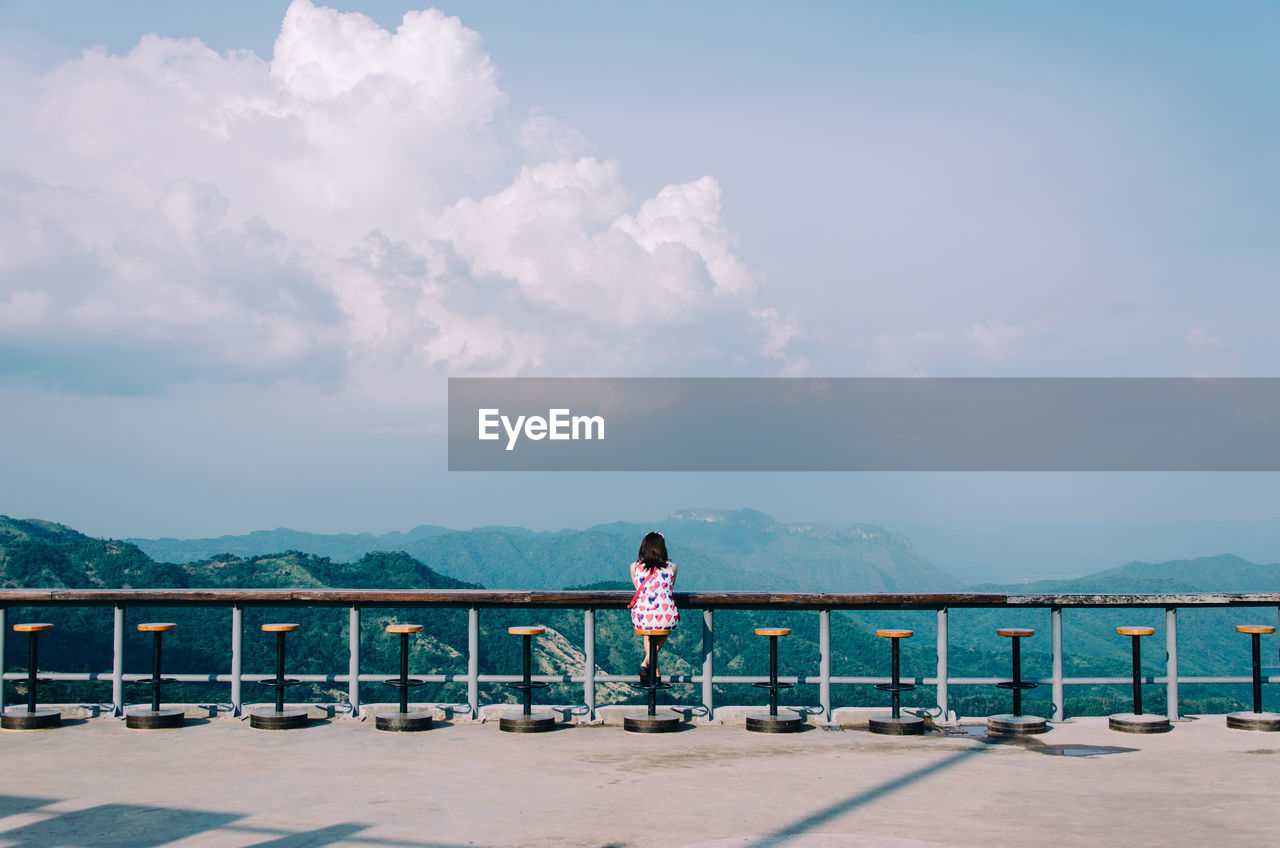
point(635, 579)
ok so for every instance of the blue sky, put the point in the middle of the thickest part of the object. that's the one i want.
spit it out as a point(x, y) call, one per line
point(238, 270)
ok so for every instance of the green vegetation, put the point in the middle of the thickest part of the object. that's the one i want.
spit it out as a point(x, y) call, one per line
point(45, 555)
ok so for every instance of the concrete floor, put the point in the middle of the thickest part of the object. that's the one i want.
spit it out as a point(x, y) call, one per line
point(219, 783)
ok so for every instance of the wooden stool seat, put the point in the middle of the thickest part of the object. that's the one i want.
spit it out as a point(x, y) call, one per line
point(896, 634)
point(1135, 631)
point(1016, 631)
point(642, 632)
point(157, 626)
point(1240, 628)
point(404, 628)
point(279, 628)
point(526, 631)
point(35, 627)
point(773, 631)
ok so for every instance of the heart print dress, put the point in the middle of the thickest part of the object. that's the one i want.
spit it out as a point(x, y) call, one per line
point(655, 609)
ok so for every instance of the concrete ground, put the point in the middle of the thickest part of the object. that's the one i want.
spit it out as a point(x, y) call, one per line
point(221, 784)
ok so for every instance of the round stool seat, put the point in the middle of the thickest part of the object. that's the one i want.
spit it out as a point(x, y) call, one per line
point(34, 627)
point(279, 628)
point(1135, 631)
point(526, 631)
point(642, 632)
point(773, 631)
point(157, 626)
point(1016, 631)
point(1146, 723)
point(896, 634)
point(1240, 628)
point(404, 628)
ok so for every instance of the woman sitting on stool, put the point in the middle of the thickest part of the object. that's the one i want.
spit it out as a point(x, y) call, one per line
point(653, 607)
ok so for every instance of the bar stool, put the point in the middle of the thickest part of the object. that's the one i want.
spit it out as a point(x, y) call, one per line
point(1137, 721)
point(279, 718)
point(527, 721)
point(1016, 724)
point(403, 720)
point(651, 722)
point(773, 723)
point(31, 718)
point(155, 718)
point(1256, 720)
point(896, 724)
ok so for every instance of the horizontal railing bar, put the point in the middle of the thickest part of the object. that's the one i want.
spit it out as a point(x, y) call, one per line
point(608, 599)
point(806, 680)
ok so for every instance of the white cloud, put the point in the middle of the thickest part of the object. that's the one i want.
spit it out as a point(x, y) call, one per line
point(359, 208)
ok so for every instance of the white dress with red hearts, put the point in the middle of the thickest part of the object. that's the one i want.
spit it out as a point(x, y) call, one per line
point(655, 609)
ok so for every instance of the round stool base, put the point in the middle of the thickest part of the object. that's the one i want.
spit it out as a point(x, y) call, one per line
point(644, 723)
point(775, 723)
point(1012, 725)
point(406, 722)
point(23, 720)
point(154, 719)
point(278, 719)
point(1130, 723)
point(536, 723)
point(900, 726)
point(1244, 721)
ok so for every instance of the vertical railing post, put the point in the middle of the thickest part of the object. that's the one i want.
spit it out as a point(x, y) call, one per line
point(353, 664)
point(1171, 660)
point(824, 663)
point(237, 657)
point(708, 662)
point(4, 632)
point(473, 662)
point(589, 661)
point(1055, 648)
point(942, 665)
point(117, 664)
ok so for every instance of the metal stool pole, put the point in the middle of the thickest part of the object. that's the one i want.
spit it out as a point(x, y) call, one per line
point(895, 724)
point(31, 718)
point(1137, 721)
point(1015, 723)
point(1257, 719)
point(772, 722)
point(650, 721)
point(279, 718)
point(527, 721)
point(403, 720)
point(155, 718)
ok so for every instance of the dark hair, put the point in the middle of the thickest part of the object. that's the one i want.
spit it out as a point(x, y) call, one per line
point(653, 550)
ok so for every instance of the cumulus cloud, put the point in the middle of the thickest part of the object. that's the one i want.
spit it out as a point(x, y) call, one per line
point(360, 207)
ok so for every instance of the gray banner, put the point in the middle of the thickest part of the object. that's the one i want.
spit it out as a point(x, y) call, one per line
point(661, 424)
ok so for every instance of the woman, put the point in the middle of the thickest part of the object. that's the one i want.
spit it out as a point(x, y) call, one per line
point(653, 607)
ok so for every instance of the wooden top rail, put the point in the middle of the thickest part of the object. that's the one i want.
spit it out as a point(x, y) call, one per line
point(603, 600)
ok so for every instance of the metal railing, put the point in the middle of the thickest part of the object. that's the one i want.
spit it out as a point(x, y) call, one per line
point(355, 600)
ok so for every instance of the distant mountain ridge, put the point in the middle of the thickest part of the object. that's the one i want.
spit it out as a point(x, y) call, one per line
point(716, 549)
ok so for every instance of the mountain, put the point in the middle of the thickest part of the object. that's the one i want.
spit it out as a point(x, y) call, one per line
point(344, 547)
point(716, 549)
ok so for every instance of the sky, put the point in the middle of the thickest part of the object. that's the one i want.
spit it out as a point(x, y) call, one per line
point(243, 245)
